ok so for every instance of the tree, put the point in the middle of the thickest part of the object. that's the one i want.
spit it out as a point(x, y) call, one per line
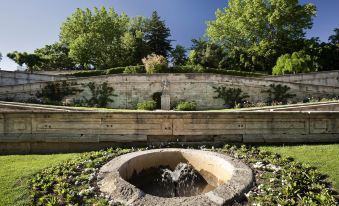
point(32, 61)
point(298, 62)
point(134, 42)
point(157, 34)
point(179, 56)
point(95, 38)
point(334, 39)
point(206, 54)
point(329, 53)
point(0, 56)
point(54, 57)
point(260, 30)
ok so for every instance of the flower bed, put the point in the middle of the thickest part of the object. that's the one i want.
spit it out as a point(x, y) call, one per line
point(279, 181)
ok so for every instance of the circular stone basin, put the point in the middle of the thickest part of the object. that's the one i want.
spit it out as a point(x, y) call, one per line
point(175, 177)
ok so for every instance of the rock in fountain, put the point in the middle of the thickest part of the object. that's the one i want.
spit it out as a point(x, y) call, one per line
point(183, 181)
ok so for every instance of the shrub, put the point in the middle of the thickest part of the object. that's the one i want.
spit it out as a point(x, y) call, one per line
point(186, 106)
point(278, 94)
point(155, 63)
point(147, 105)
point(135, 69)
point(296, 63)
point(55, 92)
point(232, 97)
point(101, 95)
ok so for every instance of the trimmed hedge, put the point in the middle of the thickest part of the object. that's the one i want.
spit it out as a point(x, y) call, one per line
point(140, 69)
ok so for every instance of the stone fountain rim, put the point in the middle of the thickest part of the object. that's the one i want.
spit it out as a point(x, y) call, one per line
point(114, 186)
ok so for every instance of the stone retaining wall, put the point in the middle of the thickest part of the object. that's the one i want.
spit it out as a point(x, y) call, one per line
point(46, 132)
point(131, 89)
point(327, 78)
point(16, 77)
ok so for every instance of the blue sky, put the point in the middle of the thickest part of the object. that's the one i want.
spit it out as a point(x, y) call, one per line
point(30, 24)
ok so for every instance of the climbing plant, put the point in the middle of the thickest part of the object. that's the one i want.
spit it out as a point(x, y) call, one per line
point(278, 94)
point(101, 95)
point(231, 96)
point(55, 92)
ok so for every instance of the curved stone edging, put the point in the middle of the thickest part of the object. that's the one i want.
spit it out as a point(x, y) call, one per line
point(112, 184)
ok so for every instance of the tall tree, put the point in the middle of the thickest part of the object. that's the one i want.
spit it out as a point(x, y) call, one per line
point(334, 39)
point(261, 30)
point(206, 54)
point(95, 38)
point(179, 56)
point(157, 36)
point(0, 56)
point(329, 53)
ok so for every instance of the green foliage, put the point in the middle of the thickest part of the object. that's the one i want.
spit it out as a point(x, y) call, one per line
point(101, 95)
point(282, 181)
point(32, 61)
point(278, 94)
point(72, 183)
point(179, 56)
point(139, 69)
point(186, 106)
point(256, 33)
point(206, 54)
point(298, 62)
point(116, 70)
point(147, 105)
point(90, 73)
point(155, 64)
point(329, 53)
point(96, 38)
point(54, 57)
point(55, 92)
point(232, 96)
point(157, 35)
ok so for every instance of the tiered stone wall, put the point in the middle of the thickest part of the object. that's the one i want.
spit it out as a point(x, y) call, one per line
point(328, 78)
point(24, 132)
point(15, 78)
point(131, 89)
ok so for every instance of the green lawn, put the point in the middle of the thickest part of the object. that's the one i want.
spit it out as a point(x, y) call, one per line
point(323, 157)
point(15, 171)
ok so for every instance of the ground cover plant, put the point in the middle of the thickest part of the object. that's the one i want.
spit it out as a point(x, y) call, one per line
point(16, 171)
point(147, 105)
point(186, 106)
point(279, 180)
